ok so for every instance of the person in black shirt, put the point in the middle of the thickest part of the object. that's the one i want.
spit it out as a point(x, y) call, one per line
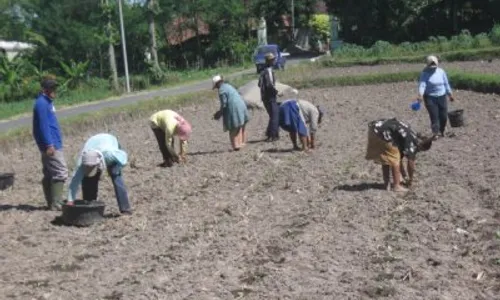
point(389, 141)
point(268, 93)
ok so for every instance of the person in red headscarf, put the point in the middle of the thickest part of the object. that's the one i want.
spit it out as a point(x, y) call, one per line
point(165, 125)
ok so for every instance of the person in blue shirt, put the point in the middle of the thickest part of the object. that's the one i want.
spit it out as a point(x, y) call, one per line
point(101, 152)
point(48, 137)
point(434, 89)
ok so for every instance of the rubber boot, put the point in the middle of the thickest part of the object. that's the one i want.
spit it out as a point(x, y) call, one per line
point(47, 192)
point(56, 190)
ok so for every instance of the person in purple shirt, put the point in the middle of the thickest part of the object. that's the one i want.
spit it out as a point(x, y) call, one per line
point(48, 137)
point(434, 89)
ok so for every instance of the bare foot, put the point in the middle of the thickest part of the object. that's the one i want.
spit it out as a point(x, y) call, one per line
point(400, 189)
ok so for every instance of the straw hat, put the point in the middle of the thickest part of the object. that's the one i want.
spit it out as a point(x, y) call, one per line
point(270, 56)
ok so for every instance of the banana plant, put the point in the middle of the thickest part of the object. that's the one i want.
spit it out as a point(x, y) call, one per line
point(76, 73)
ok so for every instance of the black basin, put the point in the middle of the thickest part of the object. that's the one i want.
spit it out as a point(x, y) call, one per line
point(6, 180)
point(83, 213)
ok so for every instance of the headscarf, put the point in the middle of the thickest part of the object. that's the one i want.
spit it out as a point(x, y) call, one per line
point(93, 161)
point(183, 128)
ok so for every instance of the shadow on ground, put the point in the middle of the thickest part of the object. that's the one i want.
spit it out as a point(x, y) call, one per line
point(22, 207)
point(360, 187)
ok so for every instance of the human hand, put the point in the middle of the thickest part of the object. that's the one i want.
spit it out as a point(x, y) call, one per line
point(451, 98)
point(183, 158)
point(50, 151)
point(217, 115)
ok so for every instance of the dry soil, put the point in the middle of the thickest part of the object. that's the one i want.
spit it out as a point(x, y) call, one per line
point(268, 223)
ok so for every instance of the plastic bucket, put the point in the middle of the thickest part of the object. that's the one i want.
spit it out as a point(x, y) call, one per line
point(456, 118)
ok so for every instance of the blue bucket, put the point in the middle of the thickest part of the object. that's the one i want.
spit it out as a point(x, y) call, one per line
point(415, 106)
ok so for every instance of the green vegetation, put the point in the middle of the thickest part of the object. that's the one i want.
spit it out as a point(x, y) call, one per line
point(104, 118)
point(459, 55)
point(463, 41)
point(483, 83)
point(96, 89)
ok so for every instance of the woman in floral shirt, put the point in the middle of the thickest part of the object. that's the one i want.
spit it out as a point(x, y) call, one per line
point(389, 141)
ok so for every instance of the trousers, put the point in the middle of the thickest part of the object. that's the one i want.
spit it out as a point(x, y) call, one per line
point(437, 107)
point(273, 111)
point(90, 186)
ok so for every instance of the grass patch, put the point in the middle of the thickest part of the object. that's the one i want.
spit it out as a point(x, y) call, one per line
point(459, 55)
point(482, 83)
point(96, 93)
point(102, 119)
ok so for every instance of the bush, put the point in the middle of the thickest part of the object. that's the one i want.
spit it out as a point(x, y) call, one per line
point(462, 41)
point(495, 34)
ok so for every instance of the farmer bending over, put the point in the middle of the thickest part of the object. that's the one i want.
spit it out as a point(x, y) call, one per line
point(300, 117)
point(100, 152)
point(389, 140)
point(166, 124)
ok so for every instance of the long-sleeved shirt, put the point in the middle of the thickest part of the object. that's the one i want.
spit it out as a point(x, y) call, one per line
point(166, 120)
point(434, 82)
point(46, 130)
point(112, 153)
point(267, 84)
point(310, 113)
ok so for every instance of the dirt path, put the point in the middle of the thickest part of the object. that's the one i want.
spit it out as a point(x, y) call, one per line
point(265, 223)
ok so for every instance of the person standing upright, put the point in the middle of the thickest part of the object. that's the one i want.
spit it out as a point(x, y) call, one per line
point(268, 93)
point(48, 137)
point(434, 89)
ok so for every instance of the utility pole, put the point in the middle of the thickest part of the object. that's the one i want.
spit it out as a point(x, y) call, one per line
point(293, 21)
point(124, 46)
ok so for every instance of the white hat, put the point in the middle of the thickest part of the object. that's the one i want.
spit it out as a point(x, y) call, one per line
point(216, 79)
point(431, 59)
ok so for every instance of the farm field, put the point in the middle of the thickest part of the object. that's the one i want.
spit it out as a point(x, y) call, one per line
point(483, 67)
point(267, 223)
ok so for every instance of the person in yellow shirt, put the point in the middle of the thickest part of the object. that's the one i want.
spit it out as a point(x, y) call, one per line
point(165, 125)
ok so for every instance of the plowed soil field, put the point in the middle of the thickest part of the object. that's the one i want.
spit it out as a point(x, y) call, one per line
point(269, 223)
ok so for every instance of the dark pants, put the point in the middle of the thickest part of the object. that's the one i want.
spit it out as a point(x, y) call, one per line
point(90, 186)
point(160, 138)
point(437, 107)
point(273, 110)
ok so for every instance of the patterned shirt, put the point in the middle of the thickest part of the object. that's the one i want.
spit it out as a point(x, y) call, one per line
point(398, 133)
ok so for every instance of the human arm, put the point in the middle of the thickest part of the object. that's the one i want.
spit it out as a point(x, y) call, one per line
point(223, 99)
point(447, 86)
point(41, 114)
point(76, 180)
point(422, 85)
point(183, 145)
